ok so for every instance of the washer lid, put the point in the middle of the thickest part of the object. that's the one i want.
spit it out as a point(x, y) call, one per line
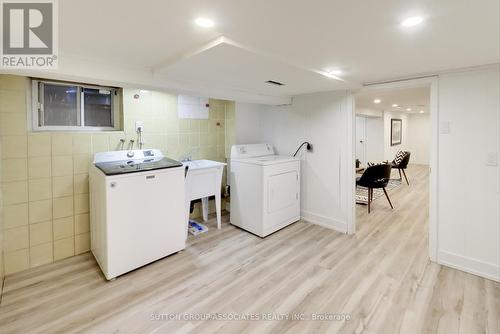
point(137, 165)
point(268, 160)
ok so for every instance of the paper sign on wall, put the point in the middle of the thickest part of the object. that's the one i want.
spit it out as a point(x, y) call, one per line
point(192, 107)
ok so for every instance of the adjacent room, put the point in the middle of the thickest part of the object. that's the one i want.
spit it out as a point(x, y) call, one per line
point(249, 166)
point(393, 130)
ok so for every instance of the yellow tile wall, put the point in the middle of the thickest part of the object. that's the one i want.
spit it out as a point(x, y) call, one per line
point(230, 135)
point(44, 176)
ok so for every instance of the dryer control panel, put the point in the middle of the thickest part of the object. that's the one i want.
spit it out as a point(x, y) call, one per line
point(251, 151)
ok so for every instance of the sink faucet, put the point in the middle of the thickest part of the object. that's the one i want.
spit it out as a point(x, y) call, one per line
point(189, 155)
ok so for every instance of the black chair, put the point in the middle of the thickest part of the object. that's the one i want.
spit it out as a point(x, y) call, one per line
point(375, 177)
point(402, 165)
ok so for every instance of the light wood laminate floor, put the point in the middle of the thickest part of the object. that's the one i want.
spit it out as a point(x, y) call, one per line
point(381, 277)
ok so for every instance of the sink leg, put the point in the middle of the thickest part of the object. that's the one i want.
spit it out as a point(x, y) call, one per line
point(188, 204)
point(204, 208)
point(218, 209)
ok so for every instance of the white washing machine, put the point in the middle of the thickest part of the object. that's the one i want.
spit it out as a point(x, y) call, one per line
point(265, 189)
point(137, 209)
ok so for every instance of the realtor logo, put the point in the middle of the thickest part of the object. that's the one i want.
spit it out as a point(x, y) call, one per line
point(29, 34)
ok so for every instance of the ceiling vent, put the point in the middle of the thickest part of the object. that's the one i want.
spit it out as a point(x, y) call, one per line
point(276, 83)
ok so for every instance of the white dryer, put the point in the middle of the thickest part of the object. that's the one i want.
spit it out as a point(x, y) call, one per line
point(265, 189)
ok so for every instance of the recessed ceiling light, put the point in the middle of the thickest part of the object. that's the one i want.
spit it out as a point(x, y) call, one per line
point(395, 105)
point(204, 22)
point(421, 111)
point(412, 21)
point(377, 101)
point(408, 109)
point(336, 72)
point(330, 74)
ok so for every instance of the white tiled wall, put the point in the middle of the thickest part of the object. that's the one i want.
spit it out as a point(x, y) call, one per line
point(44, 176)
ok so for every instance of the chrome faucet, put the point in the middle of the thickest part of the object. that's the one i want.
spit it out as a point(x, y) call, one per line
point(140, 139)
point(121, 144)
point(189, 155)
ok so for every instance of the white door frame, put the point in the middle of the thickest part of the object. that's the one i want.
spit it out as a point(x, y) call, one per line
point(351, 152)
point(433, 83)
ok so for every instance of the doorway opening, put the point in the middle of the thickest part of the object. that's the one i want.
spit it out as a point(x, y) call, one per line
point(393, 146)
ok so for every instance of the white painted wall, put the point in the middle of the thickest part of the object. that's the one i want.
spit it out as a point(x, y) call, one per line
point(368, 112)
point(419, 133)
point(390, 151)
point(248, 127)
point(248, 122)
point(361, 139)
point(322, 119)
point(374, 139)
point(416, 137)
point(370, 130)
point(468, 189)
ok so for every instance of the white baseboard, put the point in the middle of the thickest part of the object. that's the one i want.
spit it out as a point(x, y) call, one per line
point(323, 221)
point(470, 265)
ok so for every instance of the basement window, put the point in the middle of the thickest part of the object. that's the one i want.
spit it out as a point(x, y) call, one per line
point(67, 106)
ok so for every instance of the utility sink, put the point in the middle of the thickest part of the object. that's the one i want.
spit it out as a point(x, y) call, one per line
point(201, 164)
point(204, 179)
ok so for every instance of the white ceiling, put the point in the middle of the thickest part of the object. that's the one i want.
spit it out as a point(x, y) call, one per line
point(284, 40)
point(235, 67)
point(416, 99)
